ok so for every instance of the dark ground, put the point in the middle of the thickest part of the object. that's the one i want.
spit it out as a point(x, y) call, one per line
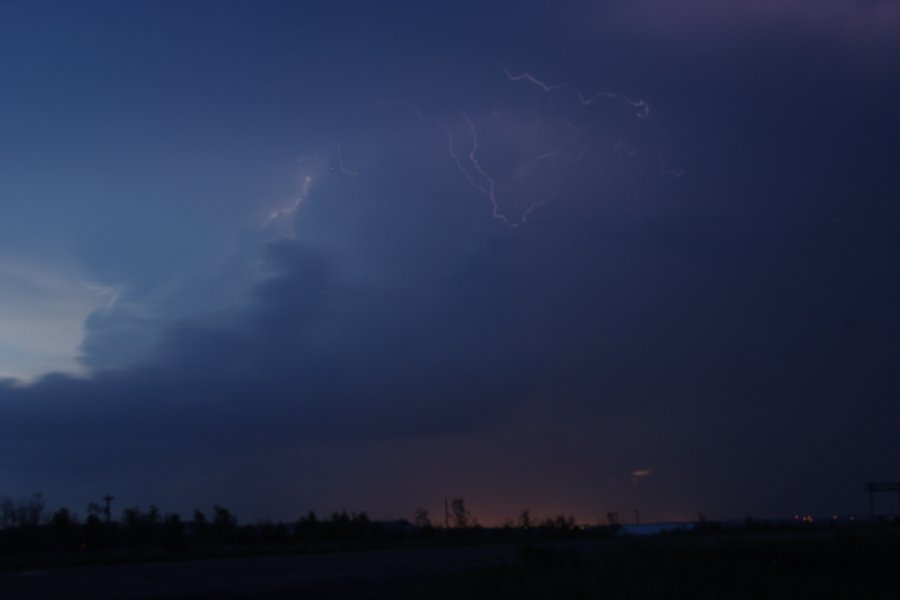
point(349, 574)
point(840, 564)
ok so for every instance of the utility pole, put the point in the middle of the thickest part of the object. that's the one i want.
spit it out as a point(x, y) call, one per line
point(108, 510)
point(446, 515)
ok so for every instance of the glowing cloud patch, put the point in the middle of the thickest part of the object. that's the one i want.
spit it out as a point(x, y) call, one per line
point(639, 474)
point(42, 319)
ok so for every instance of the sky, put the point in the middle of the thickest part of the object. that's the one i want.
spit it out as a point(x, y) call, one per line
point(580, 257)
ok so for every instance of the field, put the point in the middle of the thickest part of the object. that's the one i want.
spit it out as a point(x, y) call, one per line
point(859, 563)
point(766, 565)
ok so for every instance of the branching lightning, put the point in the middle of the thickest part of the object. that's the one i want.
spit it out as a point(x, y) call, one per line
point(641, 105)
point(520, 156)
point(488, 190)
point(313, 167)
point(478, 176)
point(108, 294)
point(535, 205)
point(487, 148)
point(491, 189)
point(342, 166)
point(665, 169)
point(526, 76)
point(286, 213)
point(629, 152)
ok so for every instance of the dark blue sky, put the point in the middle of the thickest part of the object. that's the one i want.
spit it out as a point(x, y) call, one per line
point(593, 257)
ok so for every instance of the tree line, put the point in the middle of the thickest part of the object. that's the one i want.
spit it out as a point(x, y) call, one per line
point(27, 526)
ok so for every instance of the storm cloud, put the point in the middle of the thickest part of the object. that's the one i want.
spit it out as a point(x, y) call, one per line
point(522, 272)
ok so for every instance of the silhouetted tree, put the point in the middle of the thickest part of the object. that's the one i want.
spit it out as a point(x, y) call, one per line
point(94, 509)
point(459, 513)
point(142, 528)
point(223, 523)
point(94, 532)
point(131, 518)
point(272, 532)
point(24, 513)
point(63, 519)
point(200, 526)
point(64, 528)
point(359, 526)
point(306, 528)
point(564, 523)
point(173, 531)
point(525, 519)
point(421, 519)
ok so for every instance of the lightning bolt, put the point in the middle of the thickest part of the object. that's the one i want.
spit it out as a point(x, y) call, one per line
point(567, 141)
point(473, 158)
point(288, 211)
point(665, 169)
point(486, 184)
point(526, 76)
point(620, 145)
point(110, 294)
point(535, 205)
point(342, 166)
point(489, 190)
point(642, 106)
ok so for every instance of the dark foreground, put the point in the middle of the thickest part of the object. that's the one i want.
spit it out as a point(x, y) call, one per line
point(862, 564)
point(367, 574)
